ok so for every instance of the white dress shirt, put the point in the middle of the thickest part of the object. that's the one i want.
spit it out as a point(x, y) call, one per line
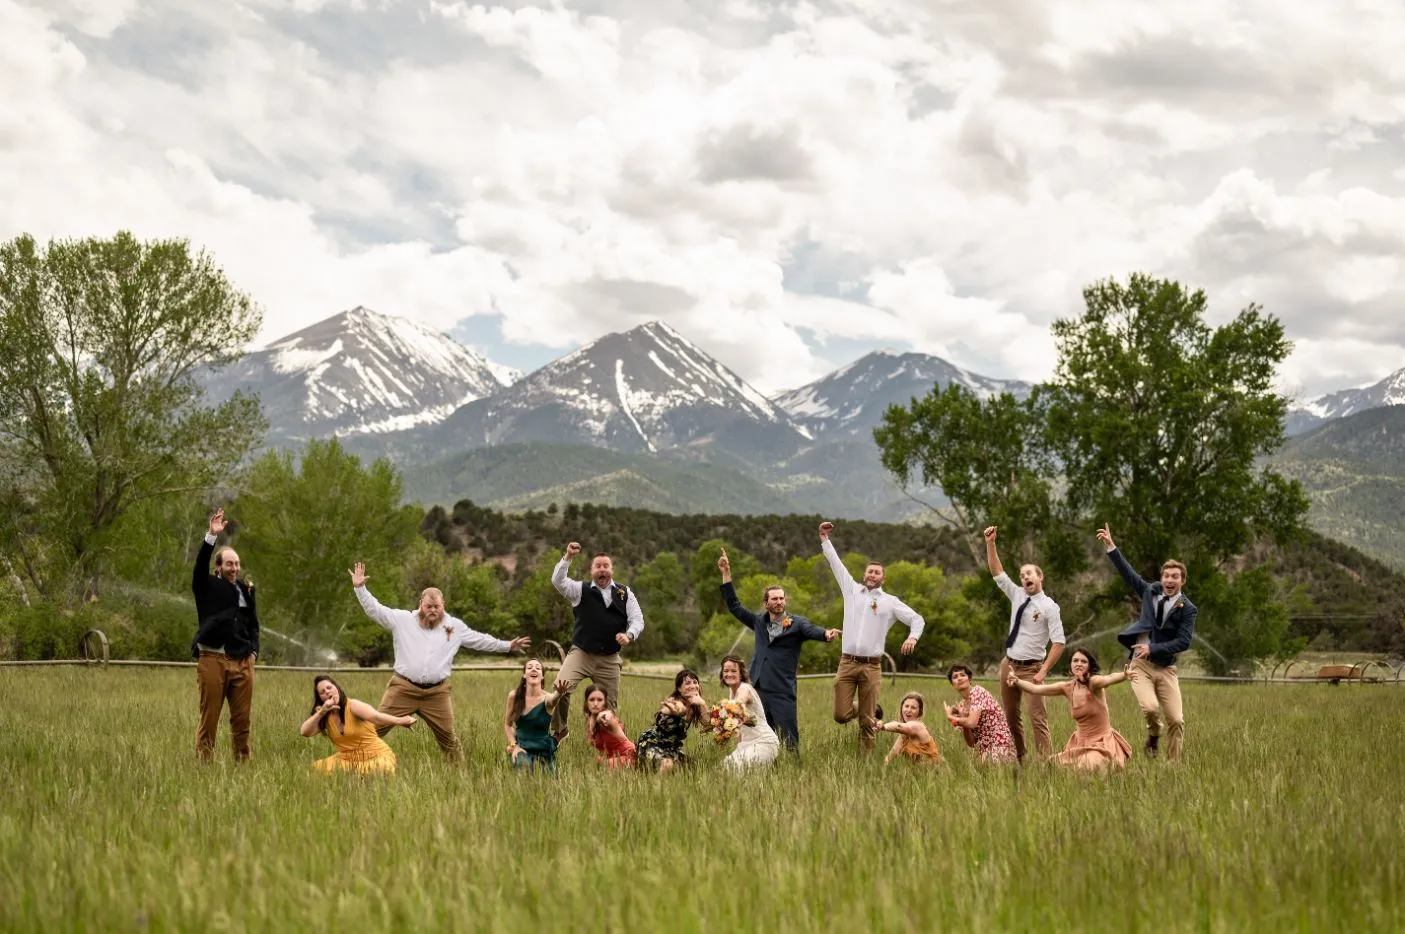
point(572, 590)
point(1040, 625)
point(426, 656)
point(868, 614)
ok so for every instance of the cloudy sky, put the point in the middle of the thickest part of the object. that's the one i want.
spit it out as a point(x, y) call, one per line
point(790, 184)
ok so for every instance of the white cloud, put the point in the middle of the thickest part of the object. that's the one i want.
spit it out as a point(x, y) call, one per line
point(967, 168)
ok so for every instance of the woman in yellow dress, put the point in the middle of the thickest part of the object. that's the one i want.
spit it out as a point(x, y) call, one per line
point(914, 742)
point(351, 726)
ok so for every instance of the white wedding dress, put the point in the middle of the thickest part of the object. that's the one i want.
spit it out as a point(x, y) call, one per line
point(756, 745)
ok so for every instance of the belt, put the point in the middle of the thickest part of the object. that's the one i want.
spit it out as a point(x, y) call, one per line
point(424, 687)
point(208, 650)
point(1016, 661)
point(861, 659)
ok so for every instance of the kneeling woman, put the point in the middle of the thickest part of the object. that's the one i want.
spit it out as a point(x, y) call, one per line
point(351, 726)
point(980, 719)
point(1095, 744)
point(661, 746)
point(757, 744)
point(527, 720)
point(913, 742)
point(603, 728)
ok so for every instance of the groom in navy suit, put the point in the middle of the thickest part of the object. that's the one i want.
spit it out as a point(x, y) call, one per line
point(779, 637)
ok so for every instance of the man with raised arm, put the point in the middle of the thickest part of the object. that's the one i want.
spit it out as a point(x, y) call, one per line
point(869, 612)
point(225, 645)
point(426, 641)
point(1163, 629)
point(607, 618)
point(1035, 624)
point(779, 638)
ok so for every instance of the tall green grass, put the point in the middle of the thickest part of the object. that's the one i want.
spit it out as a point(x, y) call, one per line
point(1286, 814)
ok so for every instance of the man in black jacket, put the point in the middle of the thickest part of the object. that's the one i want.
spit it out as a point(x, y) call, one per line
point(225, 644)
point(779, 637)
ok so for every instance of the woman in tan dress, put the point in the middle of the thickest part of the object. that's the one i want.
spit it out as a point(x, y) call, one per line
point(1095, 744)
point(914, 742)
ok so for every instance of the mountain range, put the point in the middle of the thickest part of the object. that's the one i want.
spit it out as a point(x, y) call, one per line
point(646, 417)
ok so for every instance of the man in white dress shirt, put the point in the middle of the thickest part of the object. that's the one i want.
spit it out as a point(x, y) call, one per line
point(607, 618)
point(869, 612)
point(426, 642)
point(1035, 623)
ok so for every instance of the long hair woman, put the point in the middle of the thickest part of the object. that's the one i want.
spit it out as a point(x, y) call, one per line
point(351, 726)
point(613, 747)
point(1094, 745)
point(756, 745)
point(527, 720)
point(661, 746)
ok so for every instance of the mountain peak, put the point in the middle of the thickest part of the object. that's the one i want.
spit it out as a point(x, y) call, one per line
point(1333, 405)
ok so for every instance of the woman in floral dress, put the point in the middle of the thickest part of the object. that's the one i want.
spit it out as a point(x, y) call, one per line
point(980, 718)
point(661, 746)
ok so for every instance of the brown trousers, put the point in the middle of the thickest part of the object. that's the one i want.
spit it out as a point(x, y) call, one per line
point(1010, 699)
point(1158, 693)
point(219, 677)
point(579, 665)
point(435, 706)
point(864, 680)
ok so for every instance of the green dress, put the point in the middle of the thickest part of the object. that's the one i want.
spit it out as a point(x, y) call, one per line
point(534, 736)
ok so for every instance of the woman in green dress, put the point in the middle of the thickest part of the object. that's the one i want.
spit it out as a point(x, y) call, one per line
point(527, 720)
point(661, 746)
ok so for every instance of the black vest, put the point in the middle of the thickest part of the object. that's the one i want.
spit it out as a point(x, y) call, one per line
point(598, 624)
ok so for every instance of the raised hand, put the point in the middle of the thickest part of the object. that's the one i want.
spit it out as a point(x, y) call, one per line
point(217, 522)
point(573, 549)
point(358, 575)
point(1105, 536)
point(723, 564)
point(825, 529)
point(989, 533)
point(519, 645)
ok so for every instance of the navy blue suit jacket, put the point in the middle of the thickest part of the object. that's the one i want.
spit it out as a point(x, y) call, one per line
point(1177, 627)
point(774, 664)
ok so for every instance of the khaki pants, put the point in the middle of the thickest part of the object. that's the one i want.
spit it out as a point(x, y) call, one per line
point(219, 677)
point(863, 679)
point(1158, 693)
point(435, 706)
point(1010, 698)
point(579, 665)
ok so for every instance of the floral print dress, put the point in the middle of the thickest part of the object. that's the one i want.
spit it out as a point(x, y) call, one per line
point(663, 740)
point(993, 740)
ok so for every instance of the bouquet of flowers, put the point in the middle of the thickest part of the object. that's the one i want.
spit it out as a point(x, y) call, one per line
point(725, 719)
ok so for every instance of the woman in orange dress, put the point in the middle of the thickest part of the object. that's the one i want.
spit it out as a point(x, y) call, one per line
point(913, 742)
point(1095, 744)
point(351, 726)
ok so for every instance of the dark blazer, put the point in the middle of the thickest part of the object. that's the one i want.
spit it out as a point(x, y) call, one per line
point(774, 664)
point(1177, 627)
point(222, 620)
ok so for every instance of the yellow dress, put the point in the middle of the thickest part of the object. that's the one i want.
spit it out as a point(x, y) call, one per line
point(924, 751)
point(359, 749)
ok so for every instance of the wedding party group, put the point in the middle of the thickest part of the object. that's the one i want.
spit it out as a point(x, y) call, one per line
point(759, 709)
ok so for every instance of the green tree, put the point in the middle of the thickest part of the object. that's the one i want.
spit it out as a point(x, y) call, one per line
point(100, 344)
point(1155, 422)
point(304, 521)
point(661, 586)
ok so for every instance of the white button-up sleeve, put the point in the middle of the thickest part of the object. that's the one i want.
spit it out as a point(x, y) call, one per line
point(635, 616)
point(909, 617)
point(382, 616)
point(847, 584)
point(1008, 587)
point(1056, 623)
point(568, 588)
point(479, 641)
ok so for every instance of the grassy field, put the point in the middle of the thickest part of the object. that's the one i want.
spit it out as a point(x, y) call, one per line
point(1286, 814)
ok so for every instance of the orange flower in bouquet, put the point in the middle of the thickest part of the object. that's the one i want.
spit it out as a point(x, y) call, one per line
point(726, 719)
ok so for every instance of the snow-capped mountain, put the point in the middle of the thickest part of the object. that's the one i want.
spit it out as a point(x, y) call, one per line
point(644, 390)
point(1340, 404)
point(853, 399)
point(360, 372)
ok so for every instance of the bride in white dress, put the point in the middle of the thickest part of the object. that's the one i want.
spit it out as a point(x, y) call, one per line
point(756, 745)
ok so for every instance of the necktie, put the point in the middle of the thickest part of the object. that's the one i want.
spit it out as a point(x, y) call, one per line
point(1161, 610)
point(1015, 629)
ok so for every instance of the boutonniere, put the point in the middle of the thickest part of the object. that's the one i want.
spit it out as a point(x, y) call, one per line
point(1035, 617)
point(874, 605)
point(448, 633)
point(1180, 604)
point(785, 623)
